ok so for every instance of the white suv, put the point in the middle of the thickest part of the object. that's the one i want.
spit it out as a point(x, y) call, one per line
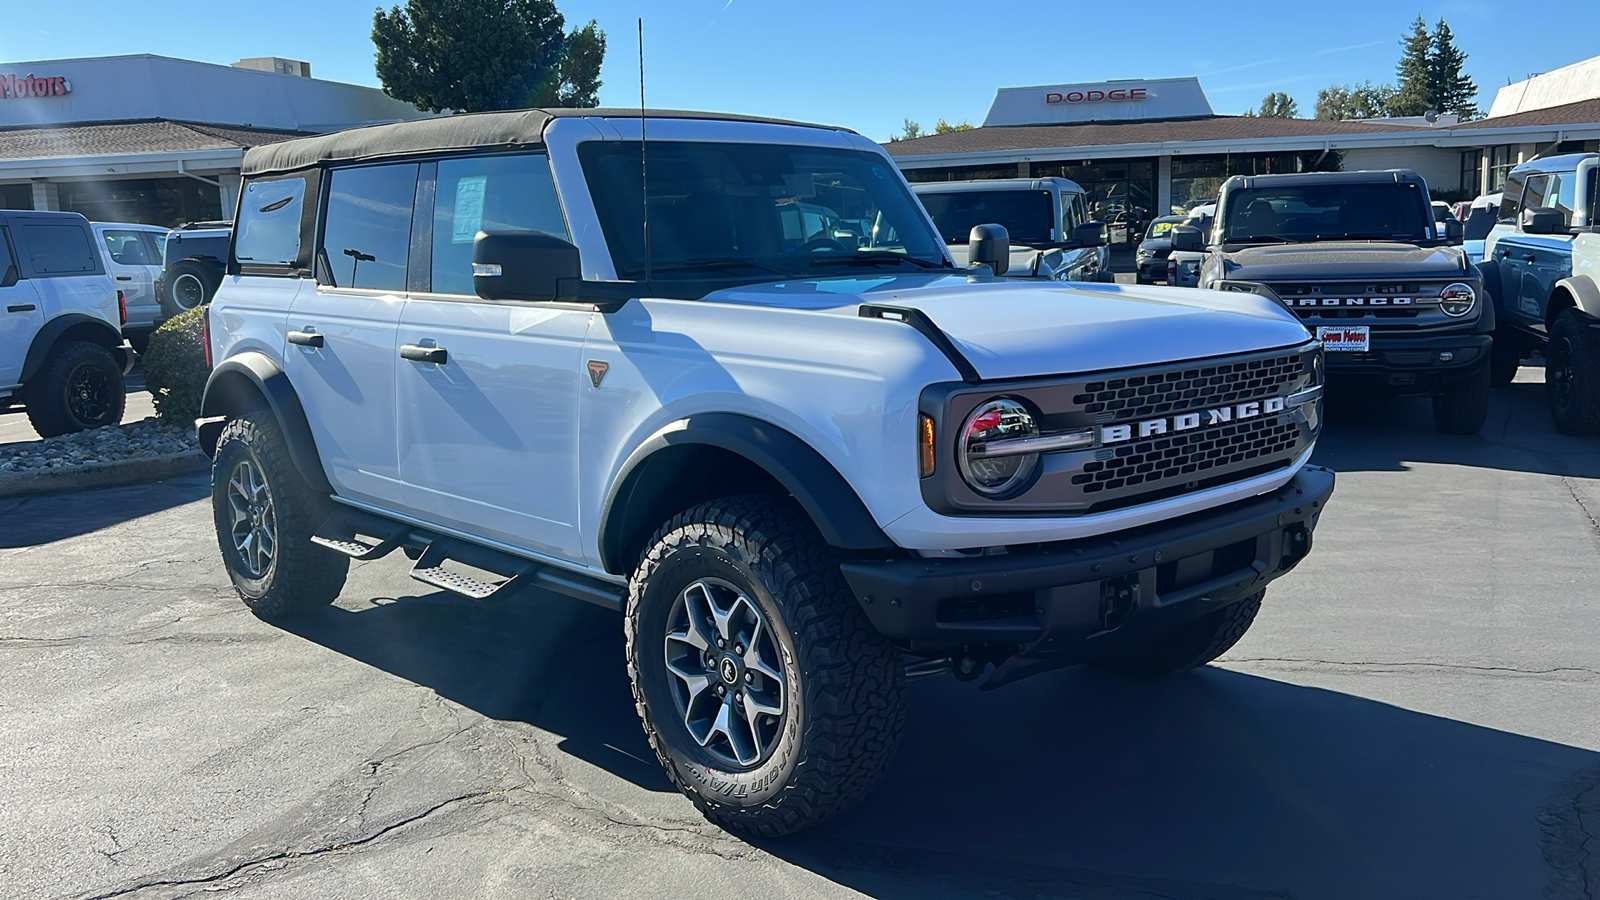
point(61, 349)
point(132, 254)
point(800, 466)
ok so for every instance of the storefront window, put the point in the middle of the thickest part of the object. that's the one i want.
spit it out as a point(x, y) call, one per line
point(1119, 192)
point(1471, 171)
point(146, 201)
point(1501, 162)
point(16, 196)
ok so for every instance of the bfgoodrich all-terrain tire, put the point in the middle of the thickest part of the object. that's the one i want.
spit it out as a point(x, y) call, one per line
point(79, 387)
point(265, 514)
point(767, 696)
point(1572, 373)
point(1191, 646)
point(1461, 407)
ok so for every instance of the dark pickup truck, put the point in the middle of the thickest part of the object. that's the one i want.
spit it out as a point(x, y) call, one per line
point(1359, 258)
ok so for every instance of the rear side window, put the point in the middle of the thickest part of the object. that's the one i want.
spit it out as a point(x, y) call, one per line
point(366, 234)
point(493, 193)
point(268, 230)
point(6, 260)
point(127, 248)
point(1563, 195)
point(59, 249)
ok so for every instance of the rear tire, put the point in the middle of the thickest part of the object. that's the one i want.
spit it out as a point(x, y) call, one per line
point(1189, 647)
point(1462, 406)
point(265, 514)
point(754, 574)
point(1505, 357)
point(1572, 373)
point(79, 387)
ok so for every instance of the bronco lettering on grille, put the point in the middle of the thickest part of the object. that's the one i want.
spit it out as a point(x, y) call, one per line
point(1116, 434)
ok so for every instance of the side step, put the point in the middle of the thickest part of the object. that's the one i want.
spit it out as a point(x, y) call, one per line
point(515, 573)
point(343, 529)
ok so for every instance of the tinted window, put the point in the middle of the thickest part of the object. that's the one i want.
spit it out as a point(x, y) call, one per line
point(496, 193)
point(1027, 215)
point(1562, 195)
point(6, 261)
point(156, 243)
point(268, 230)
point(58, 249)
point(127, 248)
point(1533, 192)
point(1327, 212)
point(366, 237)
point(181, 246)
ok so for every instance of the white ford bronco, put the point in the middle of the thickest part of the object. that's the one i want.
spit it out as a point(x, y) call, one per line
point(802, 467)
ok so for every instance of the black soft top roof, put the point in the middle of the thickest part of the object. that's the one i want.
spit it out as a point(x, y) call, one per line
point(520, 129)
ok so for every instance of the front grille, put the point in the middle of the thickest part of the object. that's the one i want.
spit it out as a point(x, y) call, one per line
point(1382, 305)
point(1196, 454)
point(1197, 387)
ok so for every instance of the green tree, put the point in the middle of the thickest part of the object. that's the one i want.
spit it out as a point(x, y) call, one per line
point(1413, 94)
point(477, 55)
point(1356, 101)
point(943, 127)
point(1278, 105)
point(908, 131)
point(1452, 90)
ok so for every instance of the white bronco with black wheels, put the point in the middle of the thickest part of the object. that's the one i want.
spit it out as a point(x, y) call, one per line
point(802, 467)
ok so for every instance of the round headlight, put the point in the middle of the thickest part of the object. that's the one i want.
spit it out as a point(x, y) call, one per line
point(984, 463)
point(1457, 299)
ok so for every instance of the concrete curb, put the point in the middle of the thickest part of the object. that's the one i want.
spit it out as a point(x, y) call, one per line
point(111, 473)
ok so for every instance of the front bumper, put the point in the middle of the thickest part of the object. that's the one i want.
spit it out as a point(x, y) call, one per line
point(1055, 604)
point(1153, 269)
point(1412, 362)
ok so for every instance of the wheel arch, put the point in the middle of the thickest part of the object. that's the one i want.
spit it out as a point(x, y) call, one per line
point(71, 327)
point(249, 382)
point(669, 472)
point(1577, 291)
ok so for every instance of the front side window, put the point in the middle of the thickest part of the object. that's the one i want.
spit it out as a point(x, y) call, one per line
point(126, 248)
point(268, 230)
point(1533, 193)
point(725, 210)
point(1562, 195)
point(58, 249)
point(366, 235)
point(1028, 216)
point(491, 193)
point(1327, 212)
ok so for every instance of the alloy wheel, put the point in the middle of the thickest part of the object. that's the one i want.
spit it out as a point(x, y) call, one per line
point(725, 672)
point(89, 394)
point(254, 529)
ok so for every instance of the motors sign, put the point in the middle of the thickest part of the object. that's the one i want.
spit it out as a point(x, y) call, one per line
point(16, 87)
point(1115, 95)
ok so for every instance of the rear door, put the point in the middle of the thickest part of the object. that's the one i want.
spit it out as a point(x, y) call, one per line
point(20, 316)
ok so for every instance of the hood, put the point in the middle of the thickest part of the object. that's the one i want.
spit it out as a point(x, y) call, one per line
point(1342, 259)
point(1154, 246)
point(1021, 329)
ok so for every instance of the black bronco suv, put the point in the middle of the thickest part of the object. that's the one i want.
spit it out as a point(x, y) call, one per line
point(1358, 257)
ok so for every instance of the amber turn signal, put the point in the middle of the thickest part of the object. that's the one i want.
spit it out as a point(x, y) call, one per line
point(925, 446)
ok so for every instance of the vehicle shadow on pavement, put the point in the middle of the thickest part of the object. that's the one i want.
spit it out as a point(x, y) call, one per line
point(1366, 431)
point(43, 519)
point(539, 658)
point(1215, 784)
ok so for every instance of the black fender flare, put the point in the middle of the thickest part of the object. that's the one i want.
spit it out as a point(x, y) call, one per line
point(45, 338)
point(821, 491)
point(228, 394)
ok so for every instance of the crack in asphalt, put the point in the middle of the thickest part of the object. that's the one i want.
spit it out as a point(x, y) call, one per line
point(1594, 523)
point(1377, 667)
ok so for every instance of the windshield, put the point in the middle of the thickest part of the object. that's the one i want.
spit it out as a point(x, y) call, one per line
point(728, 210)
point(1028, 216)
point(1162, 228)
point(1289, 213)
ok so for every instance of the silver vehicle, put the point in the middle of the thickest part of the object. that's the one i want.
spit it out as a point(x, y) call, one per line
point(132, 256)
point(1183, 266)
point(1047, 219)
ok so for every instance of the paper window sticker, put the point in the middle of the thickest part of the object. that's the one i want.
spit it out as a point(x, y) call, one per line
point(469, 209)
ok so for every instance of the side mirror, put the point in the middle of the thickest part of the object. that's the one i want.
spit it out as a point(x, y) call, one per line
point(524, 265)
point(1091, 234)
point(1542, 220)
point(1187, 238)
point(989, 245)
point(1453, 230)
point(10, 277)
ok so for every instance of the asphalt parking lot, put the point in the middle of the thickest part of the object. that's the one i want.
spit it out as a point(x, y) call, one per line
point(14, 425)
point(1413, 716)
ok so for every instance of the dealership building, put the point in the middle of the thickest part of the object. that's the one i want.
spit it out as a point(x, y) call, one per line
point(158, 140)
point(1146, 147)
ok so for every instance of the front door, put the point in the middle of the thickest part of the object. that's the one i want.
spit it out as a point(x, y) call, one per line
point(489, 427)
point(20, 316)
point(341, 352)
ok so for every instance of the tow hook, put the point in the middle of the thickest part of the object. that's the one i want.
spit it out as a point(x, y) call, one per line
point(1119, 597)
point(1296, 544)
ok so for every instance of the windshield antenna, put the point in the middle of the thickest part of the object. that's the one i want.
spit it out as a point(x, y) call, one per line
point(644, 166)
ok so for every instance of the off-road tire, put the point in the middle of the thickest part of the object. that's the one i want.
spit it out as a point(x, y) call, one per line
point(206, 276)
point(1461, 407)
point(301, 575)
point(1505, 357)
point(845, 695)
point(1574, 343)
point(47, 394)
point(1190, 646)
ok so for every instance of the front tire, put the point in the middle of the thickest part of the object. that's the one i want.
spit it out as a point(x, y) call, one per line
point(79, 387)
point(1572, 373)
point(265, 513)
point(1190, 646)
point(1505, 357)
point(812, 699)
point(1462, 406)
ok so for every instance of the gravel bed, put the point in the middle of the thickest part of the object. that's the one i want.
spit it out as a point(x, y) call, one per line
point(136, 440)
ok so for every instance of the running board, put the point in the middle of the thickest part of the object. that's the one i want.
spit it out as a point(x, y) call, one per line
point(343, 529)
point(514, 574)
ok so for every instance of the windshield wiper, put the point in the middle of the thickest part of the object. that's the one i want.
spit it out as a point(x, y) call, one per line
point(725, 263)
point(1263, 239)
point(875, 259)
point(1372, 236)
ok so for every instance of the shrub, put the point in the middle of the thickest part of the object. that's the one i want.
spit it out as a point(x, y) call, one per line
point(175, 367)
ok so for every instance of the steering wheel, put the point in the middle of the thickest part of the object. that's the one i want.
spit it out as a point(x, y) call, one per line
point(820, 243)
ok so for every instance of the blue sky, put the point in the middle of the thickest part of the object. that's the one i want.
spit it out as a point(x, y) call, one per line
point(869, 65)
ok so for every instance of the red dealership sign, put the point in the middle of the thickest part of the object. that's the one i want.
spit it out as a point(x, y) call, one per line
point(13, 87)
point(1115, 95)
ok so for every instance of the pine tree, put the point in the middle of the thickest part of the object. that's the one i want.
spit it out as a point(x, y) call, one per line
point(1453, 91)
point(1414, 91)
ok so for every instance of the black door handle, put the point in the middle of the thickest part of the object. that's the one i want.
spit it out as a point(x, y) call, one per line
point(305, 338)
point(1504, 253)
point(1528, 257)
point(418, 353)
point(21, 307)
point(124, 277)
